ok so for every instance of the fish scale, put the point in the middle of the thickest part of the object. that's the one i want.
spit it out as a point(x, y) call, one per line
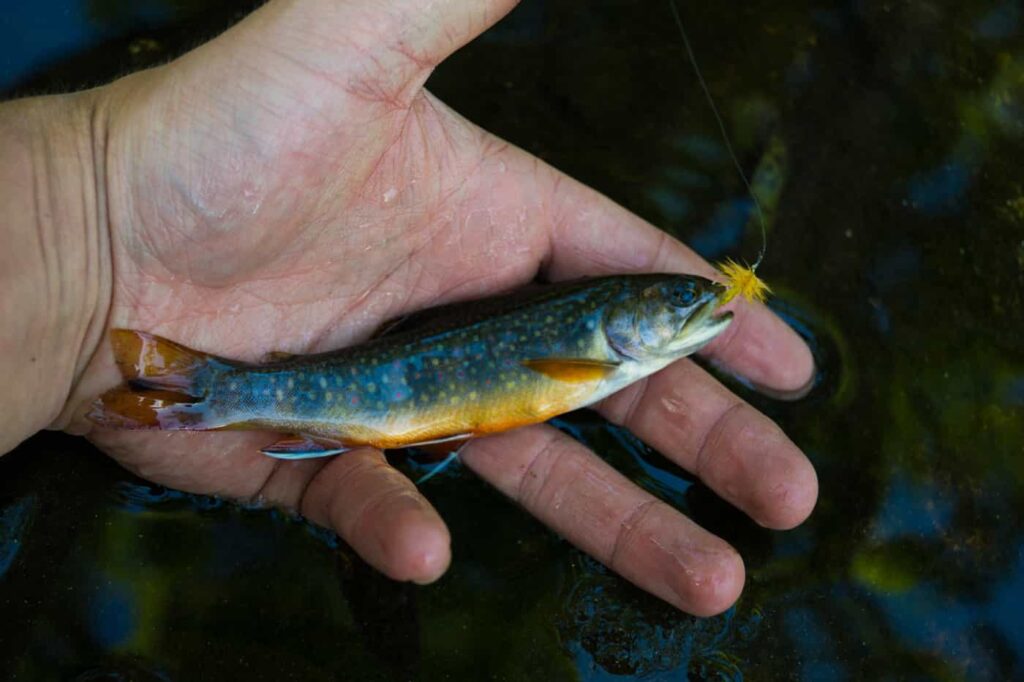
point(419, 386)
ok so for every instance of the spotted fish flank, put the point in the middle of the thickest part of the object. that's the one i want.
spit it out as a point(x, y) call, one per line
point(447, 373)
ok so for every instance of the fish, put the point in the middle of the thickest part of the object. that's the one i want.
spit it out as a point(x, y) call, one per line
point(441, 375)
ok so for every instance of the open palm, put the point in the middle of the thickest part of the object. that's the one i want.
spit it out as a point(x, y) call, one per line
point(291, 185)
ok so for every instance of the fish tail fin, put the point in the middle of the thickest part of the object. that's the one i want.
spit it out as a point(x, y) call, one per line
point(155, 362)
point(132, 407)
point(165, 385)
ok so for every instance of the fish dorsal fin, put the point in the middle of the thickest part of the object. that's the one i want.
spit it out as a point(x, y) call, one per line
point(572, 370)
point(437, 318)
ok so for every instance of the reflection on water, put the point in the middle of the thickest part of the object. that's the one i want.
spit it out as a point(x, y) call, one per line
point(14, 517)
point(612, 630)
point(883, 142)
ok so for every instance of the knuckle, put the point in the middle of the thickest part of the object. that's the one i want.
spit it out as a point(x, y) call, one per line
point(529, 489)
point(626, 531)
point(710, 450)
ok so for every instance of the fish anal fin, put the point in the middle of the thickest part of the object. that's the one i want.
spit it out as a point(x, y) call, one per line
point(304, 447)
point(572, 370)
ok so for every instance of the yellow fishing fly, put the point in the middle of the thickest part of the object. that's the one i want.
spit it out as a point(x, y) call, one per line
point(742, 281)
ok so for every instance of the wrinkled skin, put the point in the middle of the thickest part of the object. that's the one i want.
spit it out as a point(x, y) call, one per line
point(290, 185)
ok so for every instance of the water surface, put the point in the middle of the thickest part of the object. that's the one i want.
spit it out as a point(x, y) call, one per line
point(885, 141)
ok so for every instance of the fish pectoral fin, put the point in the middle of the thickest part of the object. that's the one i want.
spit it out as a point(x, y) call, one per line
point(572, 370)
point(303, 447)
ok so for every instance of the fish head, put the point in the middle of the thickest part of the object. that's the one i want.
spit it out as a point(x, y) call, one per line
point(670, 318)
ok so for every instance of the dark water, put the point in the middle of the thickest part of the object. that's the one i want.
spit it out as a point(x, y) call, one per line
point(886, 141)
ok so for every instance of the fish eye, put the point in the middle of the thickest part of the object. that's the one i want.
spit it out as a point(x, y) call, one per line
point(684, 294)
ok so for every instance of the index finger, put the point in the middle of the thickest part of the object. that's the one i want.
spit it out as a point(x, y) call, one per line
point(592, 235)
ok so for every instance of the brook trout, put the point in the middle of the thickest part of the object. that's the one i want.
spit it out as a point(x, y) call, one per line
point(443, 374)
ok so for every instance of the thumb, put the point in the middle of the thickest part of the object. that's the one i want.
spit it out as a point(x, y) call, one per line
point(428, 31)
point(377, 49)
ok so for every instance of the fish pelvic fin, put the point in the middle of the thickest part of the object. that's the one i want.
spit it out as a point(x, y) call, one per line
point(165, 385)
point(572, 370)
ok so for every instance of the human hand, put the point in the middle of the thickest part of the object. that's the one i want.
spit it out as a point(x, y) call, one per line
point(290, 185)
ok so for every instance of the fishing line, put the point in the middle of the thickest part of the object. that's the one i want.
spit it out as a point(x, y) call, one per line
point(725, 134)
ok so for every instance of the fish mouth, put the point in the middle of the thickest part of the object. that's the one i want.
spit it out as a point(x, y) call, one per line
point(704, 324)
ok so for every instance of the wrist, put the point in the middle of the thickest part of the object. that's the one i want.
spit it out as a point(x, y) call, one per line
point(55, 270)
